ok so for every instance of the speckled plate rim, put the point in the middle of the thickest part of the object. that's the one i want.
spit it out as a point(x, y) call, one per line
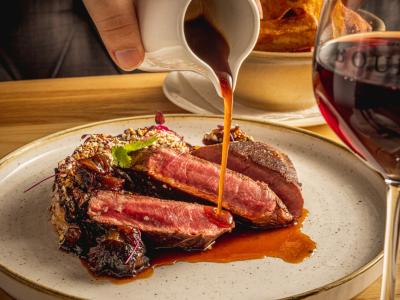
point(44, 289)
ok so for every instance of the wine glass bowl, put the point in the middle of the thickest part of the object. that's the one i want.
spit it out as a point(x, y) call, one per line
point(358, 90)
point(356, 78)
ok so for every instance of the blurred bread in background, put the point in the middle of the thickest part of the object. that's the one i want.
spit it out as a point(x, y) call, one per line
point(347, 21)
point(291, 26)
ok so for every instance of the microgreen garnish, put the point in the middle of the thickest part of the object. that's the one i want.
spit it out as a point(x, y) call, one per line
point(40, 182)
point(121, 155)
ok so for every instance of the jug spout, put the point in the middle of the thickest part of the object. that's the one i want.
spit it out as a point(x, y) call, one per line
point(162, 24)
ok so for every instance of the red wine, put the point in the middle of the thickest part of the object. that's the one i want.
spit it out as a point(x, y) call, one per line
point(357, 85)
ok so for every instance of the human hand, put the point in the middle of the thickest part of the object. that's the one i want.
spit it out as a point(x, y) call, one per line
point(118, 27)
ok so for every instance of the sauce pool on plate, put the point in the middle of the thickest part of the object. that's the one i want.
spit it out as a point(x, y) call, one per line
point(289, 244)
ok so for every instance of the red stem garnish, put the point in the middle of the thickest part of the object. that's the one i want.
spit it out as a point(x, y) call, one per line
point(137, 244)
point(41, 181)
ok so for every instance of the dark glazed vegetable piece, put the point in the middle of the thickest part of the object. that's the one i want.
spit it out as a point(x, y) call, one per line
point(118, 255)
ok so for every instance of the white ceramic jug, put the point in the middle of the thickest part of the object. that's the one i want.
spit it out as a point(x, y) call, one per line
point(162, 28)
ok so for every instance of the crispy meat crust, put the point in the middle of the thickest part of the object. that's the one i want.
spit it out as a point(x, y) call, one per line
point(261, 162)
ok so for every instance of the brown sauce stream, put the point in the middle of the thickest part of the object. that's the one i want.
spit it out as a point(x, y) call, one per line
point(288, 244)
point(211, 47)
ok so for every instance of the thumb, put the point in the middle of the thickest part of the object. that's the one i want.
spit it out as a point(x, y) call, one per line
point(117, 25)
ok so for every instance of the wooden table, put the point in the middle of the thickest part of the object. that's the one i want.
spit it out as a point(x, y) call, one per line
point(32, 109)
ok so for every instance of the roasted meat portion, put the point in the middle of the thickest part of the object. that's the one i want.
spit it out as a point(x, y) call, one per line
point(261, 162)
point(117, 196)
point(163, 223)
point(106, 249)
point(251, 200)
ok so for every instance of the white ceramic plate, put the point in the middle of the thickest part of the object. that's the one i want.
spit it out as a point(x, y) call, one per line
point(192, 92)
point(347, 214)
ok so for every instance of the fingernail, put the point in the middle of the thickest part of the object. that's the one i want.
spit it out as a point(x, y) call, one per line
point(128, 59)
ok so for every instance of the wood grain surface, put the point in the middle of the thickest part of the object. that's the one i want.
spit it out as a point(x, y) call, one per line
point(33, 109)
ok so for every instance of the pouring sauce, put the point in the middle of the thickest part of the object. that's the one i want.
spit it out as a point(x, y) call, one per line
point(211, 47)
point(289, 244)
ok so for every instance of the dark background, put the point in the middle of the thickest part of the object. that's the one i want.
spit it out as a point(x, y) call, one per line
point(387, 10)
point(49, 38)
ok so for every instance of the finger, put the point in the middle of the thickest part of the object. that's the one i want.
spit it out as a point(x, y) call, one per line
point(117, 24)
point(260, 9)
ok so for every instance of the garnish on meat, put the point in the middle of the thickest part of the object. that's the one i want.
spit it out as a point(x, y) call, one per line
point(118, 254)
point(116, 197)
point(121, 154)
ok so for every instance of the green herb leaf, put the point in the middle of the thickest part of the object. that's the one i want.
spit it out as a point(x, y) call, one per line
point(121, 157)
point(121, 154)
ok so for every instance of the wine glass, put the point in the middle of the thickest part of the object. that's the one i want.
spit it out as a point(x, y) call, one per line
point(356, 77)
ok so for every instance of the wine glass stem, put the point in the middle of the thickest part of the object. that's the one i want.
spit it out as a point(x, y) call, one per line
point(391, 241)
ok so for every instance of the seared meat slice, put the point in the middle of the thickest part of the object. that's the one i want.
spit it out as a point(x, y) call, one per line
point(261, 162)
point(164, 223)
point(249, 199)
